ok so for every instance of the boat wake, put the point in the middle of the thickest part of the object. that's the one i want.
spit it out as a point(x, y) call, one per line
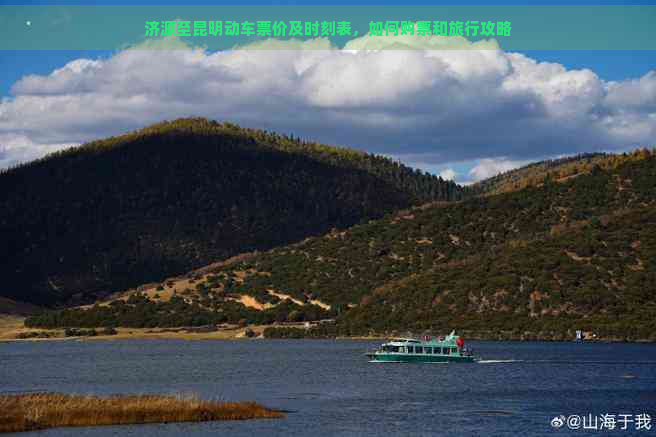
point(612, 363)
point(405, 362)
point(568, 362)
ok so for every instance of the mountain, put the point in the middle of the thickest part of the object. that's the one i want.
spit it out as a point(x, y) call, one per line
point(114, 213)
point(564, 254)
point(558, 170)
point(598, 277)
point(8, 306)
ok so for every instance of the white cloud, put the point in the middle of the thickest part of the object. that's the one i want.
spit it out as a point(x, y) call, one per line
point(633, 94)
point(448, 100)
point(448, 174)
point(491, 167)
point(15, 148)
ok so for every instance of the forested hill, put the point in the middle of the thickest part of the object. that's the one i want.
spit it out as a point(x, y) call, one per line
point(557, 170)
point(177, 195)
point(575, 254)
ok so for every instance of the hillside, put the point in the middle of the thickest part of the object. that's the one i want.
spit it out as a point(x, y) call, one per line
point(599, 278)
point(178, 195)
point(552, 257)
point(557, 170)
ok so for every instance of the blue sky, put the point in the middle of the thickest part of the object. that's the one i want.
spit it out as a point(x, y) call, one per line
point(467, 159)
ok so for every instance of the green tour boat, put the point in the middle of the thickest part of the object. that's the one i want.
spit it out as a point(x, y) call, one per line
point(426, 350)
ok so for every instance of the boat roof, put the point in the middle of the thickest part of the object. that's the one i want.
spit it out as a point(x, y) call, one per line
point(449, 339)
point(405, 340)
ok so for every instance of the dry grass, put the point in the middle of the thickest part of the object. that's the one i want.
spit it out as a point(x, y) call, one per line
point(11, 333)
point(11, 321)
point(25, 412)
point(10, 326)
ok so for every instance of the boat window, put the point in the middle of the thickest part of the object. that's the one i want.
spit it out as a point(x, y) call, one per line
point(411, 349)
point(429, 350)
point(453, 350)
point(402, 349)
point(419, 349)
point(445, 350)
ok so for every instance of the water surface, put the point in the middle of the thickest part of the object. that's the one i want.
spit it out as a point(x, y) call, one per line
point(330, 388)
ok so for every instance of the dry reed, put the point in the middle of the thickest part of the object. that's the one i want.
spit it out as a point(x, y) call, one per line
point(26, 412)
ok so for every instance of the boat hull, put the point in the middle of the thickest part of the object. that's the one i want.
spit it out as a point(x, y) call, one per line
point(416, 358)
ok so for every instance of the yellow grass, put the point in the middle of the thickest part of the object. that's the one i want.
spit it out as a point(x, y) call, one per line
point(25, 412)
point(283, 296)
point(12, 331)
point(11, 321)
point(10, 326)
point(251, 302)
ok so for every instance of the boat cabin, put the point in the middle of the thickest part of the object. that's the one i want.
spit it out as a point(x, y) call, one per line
point(450, 348)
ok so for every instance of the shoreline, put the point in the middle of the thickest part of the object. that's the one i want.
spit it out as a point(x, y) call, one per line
point(11, 327)
point(237, 335)
point(228, 337)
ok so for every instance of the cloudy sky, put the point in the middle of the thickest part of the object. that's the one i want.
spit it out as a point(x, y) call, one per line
point(464, 114)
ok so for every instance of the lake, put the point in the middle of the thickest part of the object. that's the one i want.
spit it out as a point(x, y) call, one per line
point(329, 387)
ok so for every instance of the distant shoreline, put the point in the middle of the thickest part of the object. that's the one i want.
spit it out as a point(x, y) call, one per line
point(10, 329)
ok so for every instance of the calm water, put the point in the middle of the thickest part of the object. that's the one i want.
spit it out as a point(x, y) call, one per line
point(331, 389)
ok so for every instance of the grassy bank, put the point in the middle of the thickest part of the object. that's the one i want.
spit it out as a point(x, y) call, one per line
point(26, 412)
point(14, 330)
